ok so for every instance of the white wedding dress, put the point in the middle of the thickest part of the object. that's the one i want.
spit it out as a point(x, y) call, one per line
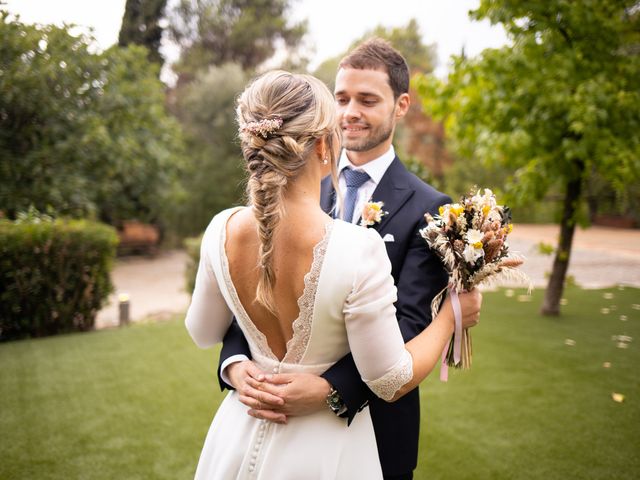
point(347, 305)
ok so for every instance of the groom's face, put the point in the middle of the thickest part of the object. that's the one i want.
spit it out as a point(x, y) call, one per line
point(366, 109)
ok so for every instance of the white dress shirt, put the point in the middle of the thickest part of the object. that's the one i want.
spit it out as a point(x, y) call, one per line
point(375, 169)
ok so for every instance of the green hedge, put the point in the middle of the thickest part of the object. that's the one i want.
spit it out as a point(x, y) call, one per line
point(54, 276)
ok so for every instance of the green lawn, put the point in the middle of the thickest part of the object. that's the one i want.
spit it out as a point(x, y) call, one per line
point(135, 403)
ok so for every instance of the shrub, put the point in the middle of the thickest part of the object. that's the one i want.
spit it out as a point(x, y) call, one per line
point(54, 276)
point(192, 246)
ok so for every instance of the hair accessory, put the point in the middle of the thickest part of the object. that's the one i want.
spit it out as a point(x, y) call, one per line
point(262, 127)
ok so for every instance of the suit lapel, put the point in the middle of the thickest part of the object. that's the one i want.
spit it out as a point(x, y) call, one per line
point(327, 196)
point(393, 190)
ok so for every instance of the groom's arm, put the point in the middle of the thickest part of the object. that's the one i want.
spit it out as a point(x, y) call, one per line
point(233, 345)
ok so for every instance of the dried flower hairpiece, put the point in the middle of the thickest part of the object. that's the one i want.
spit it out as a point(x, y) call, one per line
point(262, 127)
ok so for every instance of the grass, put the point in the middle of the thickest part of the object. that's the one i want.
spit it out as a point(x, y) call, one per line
point(135, 403)
point(126, 404)
point(533, 407)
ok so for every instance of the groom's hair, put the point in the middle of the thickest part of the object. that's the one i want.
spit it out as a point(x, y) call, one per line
point(378, 54)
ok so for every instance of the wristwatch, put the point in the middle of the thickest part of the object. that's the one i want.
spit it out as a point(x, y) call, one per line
point(335, 402)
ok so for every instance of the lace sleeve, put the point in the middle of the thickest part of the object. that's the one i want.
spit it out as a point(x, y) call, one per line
point(386, 386)
point(372, 328)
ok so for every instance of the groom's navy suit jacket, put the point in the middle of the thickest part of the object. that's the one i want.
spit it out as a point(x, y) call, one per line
point(419, 276)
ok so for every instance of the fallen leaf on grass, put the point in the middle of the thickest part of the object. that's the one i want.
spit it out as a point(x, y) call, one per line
point(607, 295)
point(564, 301)
point(606, 365)
point(623, 318)
point(617, 397)
point(524, 298)
point(569, 342)
point(604, 311)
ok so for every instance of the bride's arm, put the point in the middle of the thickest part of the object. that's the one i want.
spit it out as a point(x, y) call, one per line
point(387, 367)
point(208, 317)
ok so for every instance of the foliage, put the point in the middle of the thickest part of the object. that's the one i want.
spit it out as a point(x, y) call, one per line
point(214, 175)
point(561, 103)
point(137, 144)
point(136, 402)
point(141, 25)
point(83, 133)
point(247, 32)
point(558, 106)
point(54, 275)
point(406, 39)
point(192, 247)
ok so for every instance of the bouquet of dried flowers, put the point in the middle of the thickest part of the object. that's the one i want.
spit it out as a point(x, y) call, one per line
point(470, 238)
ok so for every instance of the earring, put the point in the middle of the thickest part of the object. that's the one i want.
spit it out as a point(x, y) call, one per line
point(325, 160)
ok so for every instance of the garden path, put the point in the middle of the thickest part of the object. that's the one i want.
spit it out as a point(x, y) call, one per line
point(601, 257)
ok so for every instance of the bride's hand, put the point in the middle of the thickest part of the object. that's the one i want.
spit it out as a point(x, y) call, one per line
point(246, 378)
point(470, 303)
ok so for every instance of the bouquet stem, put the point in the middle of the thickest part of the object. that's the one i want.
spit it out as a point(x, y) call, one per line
point(465, 354)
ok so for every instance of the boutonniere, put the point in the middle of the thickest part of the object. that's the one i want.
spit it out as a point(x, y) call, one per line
point(372, 213)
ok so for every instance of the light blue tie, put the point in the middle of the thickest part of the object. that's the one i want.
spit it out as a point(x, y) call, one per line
point(354, 180)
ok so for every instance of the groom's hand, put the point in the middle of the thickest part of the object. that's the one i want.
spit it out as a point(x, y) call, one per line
point(243, 376)
point(302, 394)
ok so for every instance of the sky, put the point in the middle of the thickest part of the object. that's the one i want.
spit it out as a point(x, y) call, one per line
point(333, 24)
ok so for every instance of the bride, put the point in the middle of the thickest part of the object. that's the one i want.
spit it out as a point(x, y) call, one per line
point(305, 289)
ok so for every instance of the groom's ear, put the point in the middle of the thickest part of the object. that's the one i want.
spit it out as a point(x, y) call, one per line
point(402, 105)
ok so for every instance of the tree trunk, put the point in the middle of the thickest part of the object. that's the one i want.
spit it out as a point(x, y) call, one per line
point(555, 287)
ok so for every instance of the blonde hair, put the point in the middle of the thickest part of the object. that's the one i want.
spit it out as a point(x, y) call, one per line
point(278, 154)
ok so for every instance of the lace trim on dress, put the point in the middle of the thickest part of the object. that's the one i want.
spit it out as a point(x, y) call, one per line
point(386, 386)
point(299, 341)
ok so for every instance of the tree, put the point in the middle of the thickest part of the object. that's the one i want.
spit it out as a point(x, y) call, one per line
point(141, 25)
point(82, 133)
point(407, 40)
point(215, 32)
point(559, 105)
point(214, 175)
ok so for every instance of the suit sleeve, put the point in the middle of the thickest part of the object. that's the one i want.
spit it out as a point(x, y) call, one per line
point(233, 343)
point(420, 278)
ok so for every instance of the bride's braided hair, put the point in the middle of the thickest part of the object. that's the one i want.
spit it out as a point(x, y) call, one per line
point(281, 115)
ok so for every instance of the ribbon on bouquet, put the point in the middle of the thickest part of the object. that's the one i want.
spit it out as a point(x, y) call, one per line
point(457, 337)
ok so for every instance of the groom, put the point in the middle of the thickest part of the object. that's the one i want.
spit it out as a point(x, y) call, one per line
point(371, 92)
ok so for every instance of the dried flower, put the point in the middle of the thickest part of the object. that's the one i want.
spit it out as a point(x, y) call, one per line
point(470, 239)
point(263, 127)
point(372, 213)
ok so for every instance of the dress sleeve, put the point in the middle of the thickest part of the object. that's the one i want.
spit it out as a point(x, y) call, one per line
point(372, 329)
point(208, 317)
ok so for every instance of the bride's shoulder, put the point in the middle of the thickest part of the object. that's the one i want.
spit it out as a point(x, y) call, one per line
point(357, 237)
point(220, 220)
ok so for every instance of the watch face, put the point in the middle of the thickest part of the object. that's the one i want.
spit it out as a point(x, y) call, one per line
point(335, 401)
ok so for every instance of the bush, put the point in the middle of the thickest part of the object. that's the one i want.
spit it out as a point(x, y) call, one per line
point(192, 246)
point(54, 276)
